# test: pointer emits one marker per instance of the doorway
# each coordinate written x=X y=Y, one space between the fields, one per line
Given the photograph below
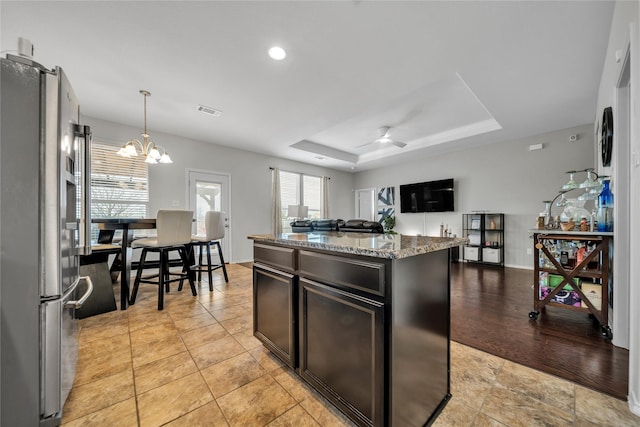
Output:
x=365 y=204
x=209 y=191
x=622 y=215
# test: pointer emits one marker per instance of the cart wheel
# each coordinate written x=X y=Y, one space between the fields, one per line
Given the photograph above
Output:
x=533 y=315
x=606 y=332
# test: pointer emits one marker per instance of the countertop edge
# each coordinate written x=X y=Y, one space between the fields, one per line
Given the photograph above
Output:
x=434 y=245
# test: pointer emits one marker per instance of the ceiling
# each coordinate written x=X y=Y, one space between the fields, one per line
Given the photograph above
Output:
x=442 y=75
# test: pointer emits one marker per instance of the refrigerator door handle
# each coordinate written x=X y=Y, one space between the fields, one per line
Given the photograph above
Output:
x=78 y=303
x=83 y=138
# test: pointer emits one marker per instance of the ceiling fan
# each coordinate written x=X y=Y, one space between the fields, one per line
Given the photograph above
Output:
x=384 y=139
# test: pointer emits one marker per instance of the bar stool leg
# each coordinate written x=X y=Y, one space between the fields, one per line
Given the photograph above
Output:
x=199 y=262
x=161 y=278
x=167 y=284
x=209 y=265
x=224 y=269
x=190 y=274
x=136 y=283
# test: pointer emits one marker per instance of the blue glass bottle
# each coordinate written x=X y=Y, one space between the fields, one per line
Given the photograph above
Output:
x=605 y=208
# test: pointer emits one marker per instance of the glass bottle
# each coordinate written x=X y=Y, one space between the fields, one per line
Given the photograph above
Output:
x=605 y=208
x=546 y=214
x=580 y=254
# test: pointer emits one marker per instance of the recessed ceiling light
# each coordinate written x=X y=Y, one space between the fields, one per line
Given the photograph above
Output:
x=277 y=53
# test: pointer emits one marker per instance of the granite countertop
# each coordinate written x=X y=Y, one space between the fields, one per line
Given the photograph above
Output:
x=392 y=246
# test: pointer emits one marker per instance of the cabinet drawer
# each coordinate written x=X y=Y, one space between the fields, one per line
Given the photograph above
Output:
x=345 y=272
x=276 y=256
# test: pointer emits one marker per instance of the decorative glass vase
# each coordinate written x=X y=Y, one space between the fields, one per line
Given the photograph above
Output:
x=574 y=210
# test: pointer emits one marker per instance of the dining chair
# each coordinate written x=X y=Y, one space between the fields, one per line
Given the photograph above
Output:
x=214 y=223
x=173 y=234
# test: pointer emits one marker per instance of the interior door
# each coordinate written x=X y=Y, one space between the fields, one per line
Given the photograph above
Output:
x=209 y=191
x=365 y=204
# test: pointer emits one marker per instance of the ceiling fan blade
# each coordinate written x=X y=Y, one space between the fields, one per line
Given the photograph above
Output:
x=399 y=144
x=384 y=140
x=384 y=132
x=364 y=145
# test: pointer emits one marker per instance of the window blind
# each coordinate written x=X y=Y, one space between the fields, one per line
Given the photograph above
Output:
x=119 y=185
x=299 y=189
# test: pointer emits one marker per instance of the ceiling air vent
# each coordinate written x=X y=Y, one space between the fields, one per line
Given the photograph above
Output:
x=209 y=110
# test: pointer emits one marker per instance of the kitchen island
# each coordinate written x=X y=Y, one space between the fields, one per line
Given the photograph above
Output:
x=363 y=318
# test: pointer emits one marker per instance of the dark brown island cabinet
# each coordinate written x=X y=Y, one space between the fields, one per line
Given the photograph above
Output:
x=364 y=319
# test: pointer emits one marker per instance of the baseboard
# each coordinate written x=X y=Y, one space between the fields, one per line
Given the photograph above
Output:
x=634 y=404
x=521 y=267
x=247 y=264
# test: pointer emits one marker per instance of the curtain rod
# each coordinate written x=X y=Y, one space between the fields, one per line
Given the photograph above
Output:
x=301 y=173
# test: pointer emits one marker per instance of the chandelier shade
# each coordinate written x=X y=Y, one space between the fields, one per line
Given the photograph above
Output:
x=152 y=152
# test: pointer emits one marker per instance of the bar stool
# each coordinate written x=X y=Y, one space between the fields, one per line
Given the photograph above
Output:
x=214 y=223
x=174 y=234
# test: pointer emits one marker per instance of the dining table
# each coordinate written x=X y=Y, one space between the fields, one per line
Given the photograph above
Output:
x=127 y=225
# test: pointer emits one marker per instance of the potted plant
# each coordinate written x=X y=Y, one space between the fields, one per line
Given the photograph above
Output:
x=388 y=222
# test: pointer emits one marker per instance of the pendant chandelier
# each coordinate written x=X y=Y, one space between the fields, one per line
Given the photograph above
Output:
x=149 y=149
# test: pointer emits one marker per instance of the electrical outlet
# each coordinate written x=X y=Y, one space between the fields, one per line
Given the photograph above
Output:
x=529 y=251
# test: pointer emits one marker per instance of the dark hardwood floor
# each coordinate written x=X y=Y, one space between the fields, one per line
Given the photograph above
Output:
x=490 y=311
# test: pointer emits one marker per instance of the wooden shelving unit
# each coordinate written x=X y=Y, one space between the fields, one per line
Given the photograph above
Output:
x=592 y=270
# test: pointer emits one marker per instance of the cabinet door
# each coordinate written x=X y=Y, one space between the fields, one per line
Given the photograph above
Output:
x=342 y=349
x=274 y=319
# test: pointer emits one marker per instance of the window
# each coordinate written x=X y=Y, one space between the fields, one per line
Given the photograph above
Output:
x=119 y=185
x=299 y=189
x=208 y=198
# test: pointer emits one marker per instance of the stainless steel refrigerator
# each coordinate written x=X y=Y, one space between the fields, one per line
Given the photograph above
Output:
x=44 y=205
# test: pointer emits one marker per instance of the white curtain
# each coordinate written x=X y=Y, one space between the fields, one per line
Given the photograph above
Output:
x=324 y=207
x=276 y=209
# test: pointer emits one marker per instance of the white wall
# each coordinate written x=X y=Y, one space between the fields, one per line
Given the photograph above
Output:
x=502 y=177
x=624 y=29
x=250 y=180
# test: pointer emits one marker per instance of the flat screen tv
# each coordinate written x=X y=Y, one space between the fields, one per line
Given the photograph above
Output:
x=432 y=196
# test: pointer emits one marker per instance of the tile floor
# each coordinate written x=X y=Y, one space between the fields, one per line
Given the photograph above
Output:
x=197 y=364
